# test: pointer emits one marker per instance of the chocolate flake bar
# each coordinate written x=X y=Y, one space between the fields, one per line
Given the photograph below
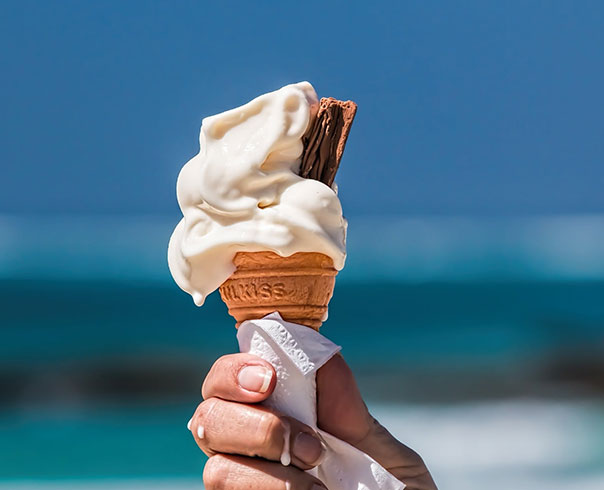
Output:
x=325 y=139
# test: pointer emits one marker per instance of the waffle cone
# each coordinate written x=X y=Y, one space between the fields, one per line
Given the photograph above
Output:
x=299 y=287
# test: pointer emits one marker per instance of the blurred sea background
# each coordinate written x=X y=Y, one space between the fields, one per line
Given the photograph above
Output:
x=471 y=307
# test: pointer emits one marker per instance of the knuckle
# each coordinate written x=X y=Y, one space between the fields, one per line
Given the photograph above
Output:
x=195 y=415
x=415 y=467
x=205 y=409
x=215 y=473
x=416 y=460
x=205 y=387
x=200 y=424
x=226 y=364
x=270 y=430
x=209 y=379
x=223 y=361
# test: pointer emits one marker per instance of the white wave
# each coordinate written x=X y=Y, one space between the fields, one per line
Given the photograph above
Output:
x=391 y=248
x=521 y=444
x=556 y=247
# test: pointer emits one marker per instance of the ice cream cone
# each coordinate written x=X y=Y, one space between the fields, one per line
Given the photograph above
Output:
x=299 y=287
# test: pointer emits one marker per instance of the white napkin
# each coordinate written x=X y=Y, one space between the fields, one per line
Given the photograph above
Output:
x=297 y=352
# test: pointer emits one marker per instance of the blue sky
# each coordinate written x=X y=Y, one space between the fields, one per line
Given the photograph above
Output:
x=479 y=108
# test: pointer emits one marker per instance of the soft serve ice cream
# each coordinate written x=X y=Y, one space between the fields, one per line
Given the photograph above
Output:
x=242 y=193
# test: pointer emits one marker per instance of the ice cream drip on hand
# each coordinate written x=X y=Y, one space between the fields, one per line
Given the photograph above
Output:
x=242 y=192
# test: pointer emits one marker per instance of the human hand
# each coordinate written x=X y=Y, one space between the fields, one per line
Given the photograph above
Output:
x=245 y=441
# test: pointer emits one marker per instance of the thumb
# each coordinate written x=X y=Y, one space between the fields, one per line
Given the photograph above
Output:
x=341 y=410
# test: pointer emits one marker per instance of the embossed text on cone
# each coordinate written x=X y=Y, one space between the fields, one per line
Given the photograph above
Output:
x=299 y=287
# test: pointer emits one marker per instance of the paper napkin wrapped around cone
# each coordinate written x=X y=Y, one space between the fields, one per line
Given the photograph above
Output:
x=297 y=352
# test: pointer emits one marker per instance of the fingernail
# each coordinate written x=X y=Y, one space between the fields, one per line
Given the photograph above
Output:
x=308 y=449
x=255 y=378
x=200 y=431
x=189 y=424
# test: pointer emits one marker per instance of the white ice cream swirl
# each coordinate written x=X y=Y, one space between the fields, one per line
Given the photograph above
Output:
x=242 y=193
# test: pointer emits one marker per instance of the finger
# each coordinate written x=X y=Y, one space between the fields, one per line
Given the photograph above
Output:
x=221 y=426
x=240 y=378
x=240 y=473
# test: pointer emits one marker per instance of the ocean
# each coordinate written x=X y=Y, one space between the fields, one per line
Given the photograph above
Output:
x=476 y=341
